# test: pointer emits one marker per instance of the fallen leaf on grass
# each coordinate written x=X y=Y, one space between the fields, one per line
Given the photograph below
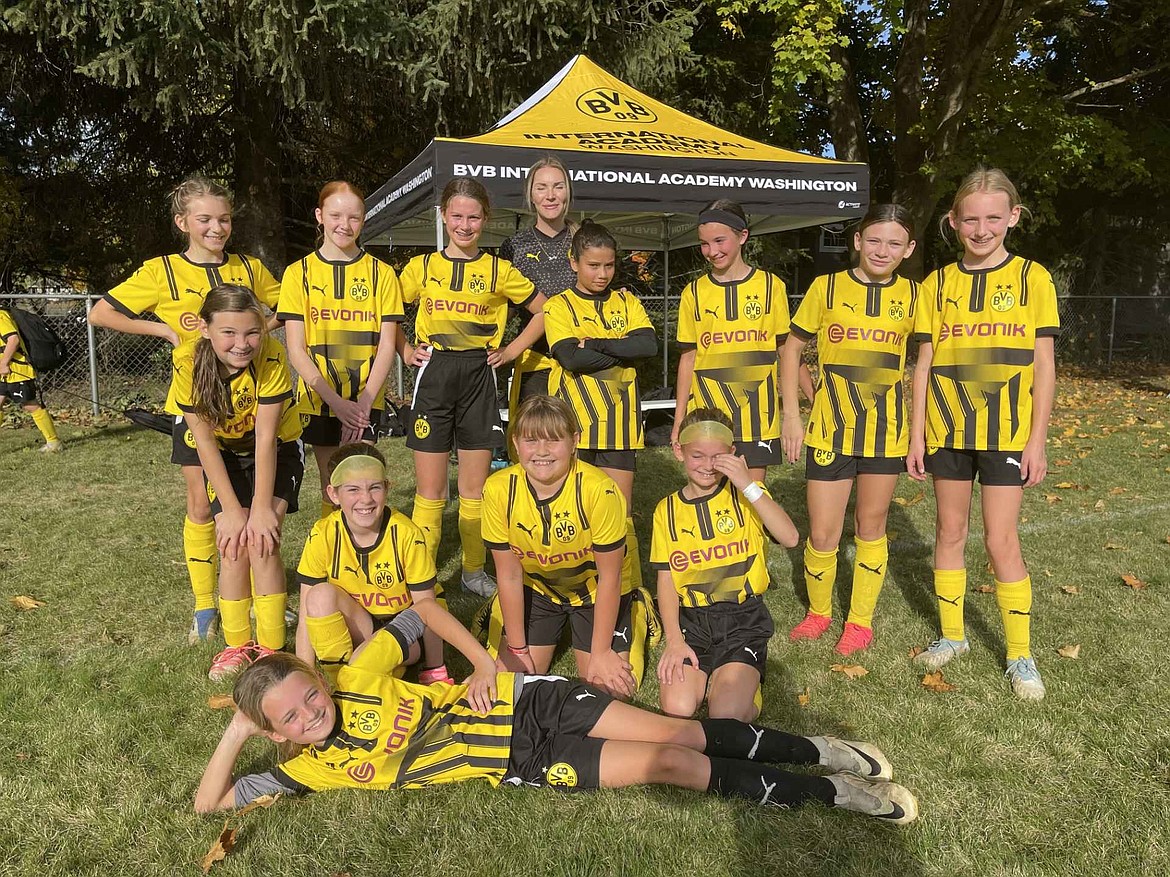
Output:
x=1132 y=581
x=1099 y=505
x=1070 y=589
x=219 y=850
x=934 y=682
x=850 y=670
x=221 y=702
x=1113 y=546
x=914 y=500
x=985 y=589
x=1073 y=651
x=891 y=535
x=1062 y=462
x=263 y=802
x=23 y=601
x=1051 y=498
x=1117 y=491
x=803 y=698
x=1168 y=539
x=1069 y=485
x=915 y=651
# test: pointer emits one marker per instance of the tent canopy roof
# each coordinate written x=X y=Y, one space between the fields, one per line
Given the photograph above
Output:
x=643 y=168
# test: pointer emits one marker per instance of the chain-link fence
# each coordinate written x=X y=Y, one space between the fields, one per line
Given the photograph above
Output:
x=120 y=370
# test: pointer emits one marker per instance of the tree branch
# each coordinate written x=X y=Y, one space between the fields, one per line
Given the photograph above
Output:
x=1129 y=77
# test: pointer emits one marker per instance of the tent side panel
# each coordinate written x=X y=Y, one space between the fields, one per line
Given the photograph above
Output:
x=408 y=192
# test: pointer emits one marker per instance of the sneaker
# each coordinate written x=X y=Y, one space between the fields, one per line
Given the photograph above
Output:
x=232 y=660
x=52 y=447
x=1025 y=679
x=853 y=639
x=478 y=582
x=940 y=652
x=812 y=627
x=888 y=801
x=863 y=759
x=203 y=626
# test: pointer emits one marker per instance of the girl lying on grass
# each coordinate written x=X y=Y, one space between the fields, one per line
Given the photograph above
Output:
x=379 y=732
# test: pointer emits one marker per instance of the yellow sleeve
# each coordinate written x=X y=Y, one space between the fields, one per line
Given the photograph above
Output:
x=781 y=323
x=182 y=381
x=291 y=305
x=273 y=382
x=389 y=293
x=1042 y=300
x=558 y=324
x=685 y=333
x=636 y=314
x=141 y=292
x=316 y=555
x=267 y=287
x=7 y=327
x=607 y=514
x=514 y=285
x=926 y=312
x=495 y=501
x=660 y=544
x=418 y=565
x=810 y=314
x=412 y=280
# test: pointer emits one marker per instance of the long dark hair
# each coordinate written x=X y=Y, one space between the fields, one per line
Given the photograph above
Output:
x=213 y=399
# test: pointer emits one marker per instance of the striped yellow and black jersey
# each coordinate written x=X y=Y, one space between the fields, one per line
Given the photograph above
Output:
x=343 y=306
x=983 y=327
x=173 y=288
x=265 y=381
x=380 y=577
x=392 y=734
x=606 y=400
x=556 y=539
x=463 y=303
x=861 y=331
x=735 y=329
x=713 y=546
x=544 y=261
x=20 y=369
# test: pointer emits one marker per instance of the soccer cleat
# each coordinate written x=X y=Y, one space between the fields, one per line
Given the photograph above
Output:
x=203 y=626
x=940 y=652
x=478 y=582
x=888 y=801
x=813 y=627
x=1025 y=679
x=853 y=639
x=863 y=759
x=52 y=447
x=232 y=660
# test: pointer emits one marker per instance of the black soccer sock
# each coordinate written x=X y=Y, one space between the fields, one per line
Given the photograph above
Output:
x=729 y=738
x=765 y=784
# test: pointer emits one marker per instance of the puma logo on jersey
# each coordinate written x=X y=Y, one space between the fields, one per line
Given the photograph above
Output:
x=852 y=308
x=584 y=695
x=435 y=280
x=350 y=569
x=531 y=531
x=953 y=301
x=689 y=531
x=755 y=657
x=535 y=257
x=1014 y=462
x=815 y=575
x=714 y=313
x=589 y=319
x=208 y=561
x=190 y=291
x=755 y=746
x=272 y=359
x=609 y=491
x=420 y=542
x=320 y=289
x=876 y=572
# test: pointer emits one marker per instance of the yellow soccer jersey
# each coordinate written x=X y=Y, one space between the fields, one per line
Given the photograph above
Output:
x=392 y=734
x=861 y=331
x=463 y=303
x=343 y=306
x=556 y=539
x=173 y=288
x=983 y=327
x=20 y=368
x=265 y=381
x=714 y=547
x=607 y=401
x=735 y=330
x=380 y=577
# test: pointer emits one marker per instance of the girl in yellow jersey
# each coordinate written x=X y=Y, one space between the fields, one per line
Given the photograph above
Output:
x=541 y=253
x=234 y=389
x=462 y=294
x=513 y=729
x=861 y=320
x=341 y=308
x=983 y=391
x=172 y=288
x=18 y=381
x=596 y=335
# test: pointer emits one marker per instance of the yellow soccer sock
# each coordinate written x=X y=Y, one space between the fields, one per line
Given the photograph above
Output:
x=869 y=572
x=202 y=561
x=632 y=562
x=428 y=517
x=1015 y=606
x=820 y=572
x=44 y=422
x=326 y=509
x=471 y=533
x=331 y=641
x=270 y=619
x=235 y=621
x=639 y=633
x=949 y=586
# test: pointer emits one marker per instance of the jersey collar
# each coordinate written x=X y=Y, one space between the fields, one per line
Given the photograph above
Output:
x=707 y=497
x=227 y=257
x=381 y=532
x=568 y=477
x=722 y=285
x=853 y=276
x=343 y=262
x=965 y=270
x=478 y=256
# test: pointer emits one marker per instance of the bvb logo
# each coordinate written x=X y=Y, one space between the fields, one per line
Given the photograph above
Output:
x=210 y=492
x=422 y=428
x=477 y=284
x=306 y=419
x=368 y=722
x=564 y=530
x=245 y=400
x=753 y=310
x=383 y=580
x=617 y=321
x=611 y=104
x=562 y=774
x=360 y=290
x=725 y=525
x=823 y=457
x=188 y=439
x=897 y=312
x=1003 y=300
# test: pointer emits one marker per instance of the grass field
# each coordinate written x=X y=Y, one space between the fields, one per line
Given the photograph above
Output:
x=105 y=725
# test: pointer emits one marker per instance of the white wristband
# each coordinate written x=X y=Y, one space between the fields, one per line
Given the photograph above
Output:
x=753 y=491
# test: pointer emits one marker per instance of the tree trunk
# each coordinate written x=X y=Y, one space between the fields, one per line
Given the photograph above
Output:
x=259 y=205
x=846 y=126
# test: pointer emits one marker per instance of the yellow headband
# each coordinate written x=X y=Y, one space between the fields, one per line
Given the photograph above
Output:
x=706 y=429
x=357 y=466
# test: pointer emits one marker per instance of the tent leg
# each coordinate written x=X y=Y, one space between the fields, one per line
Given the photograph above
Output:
x=665 y=302
x=438 y=228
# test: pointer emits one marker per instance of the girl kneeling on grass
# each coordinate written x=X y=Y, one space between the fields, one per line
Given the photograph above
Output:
x=378 y=732
x=361 y=566
x=233 y=386
x=708 y=548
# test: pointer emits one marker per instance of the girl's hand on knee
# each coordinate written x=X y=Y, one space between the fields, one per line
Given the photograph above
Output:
x=481 y=690
x=231 y=532
x=671 y=666
x=263 y=531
